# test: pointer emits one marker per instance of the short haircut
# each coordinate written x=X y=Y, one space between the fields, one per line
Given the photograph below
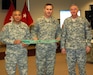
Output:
x=74 y=5
x=49 y=4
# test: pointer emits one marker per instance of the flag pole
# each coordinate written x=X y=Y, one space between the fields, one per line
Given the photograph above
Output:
x=28 y=3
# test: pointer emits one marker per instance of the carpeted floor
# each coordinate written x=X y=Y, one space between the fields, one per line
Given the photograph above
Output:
x=60 y=66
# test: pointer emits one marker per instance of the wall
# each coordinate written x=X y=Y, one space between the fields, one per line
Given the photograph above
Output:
x=36 y=7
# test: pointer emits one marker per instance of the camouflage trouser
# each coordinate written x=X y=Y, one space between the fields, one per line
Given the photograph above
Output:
x=12 y=60
x=45 y=59
x=79 y=57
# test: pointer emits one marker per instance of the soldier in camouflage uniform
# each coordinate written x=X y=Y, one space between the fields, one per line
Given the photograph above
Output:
x=16 y=51
x=46 y=28
x=75 y=42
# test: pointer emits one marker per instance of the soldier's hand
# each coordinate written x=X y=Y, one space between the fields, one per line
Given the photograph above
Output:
x=58 y=39
x=17 y=41
x=63 y=51
x=24 y=45
x=88 y=49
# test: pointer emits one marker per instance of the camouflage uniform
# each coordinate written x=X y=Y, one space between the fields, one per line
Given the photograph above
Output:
x=46 y=29
x=76 y=35
x=15 y=54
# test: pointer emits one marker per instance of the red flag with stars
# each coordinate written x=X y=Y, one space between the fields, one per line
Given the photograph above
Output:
x=8 y=17
x=26 y=17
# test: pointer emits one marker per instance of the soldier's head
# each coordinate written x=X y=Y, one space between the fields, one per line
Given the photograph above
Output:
x=48 y=10
x=74 y=10
x=17 y=16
